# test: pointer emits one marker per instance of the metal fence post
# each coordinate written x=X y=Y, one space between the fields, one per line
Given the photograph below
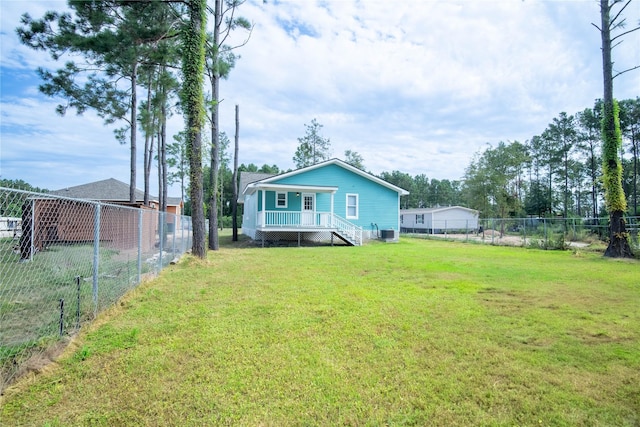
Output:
x=175 y=224
x=493 y=229
x=96 y=258
x=161 y=245
x=182 y=242
x=140 y=213
x=546 y=237
x=32 y=248
x=78 y=306
x=61 y=317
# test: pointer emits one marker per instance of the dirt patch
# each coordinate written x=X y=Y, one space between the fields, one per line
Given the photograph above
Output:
x=493 y=237
x=38 y=361
x=488 y=236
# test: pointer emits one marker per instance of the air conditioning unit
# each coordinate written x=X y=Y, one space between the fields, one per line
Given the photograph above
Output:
x=388 y=235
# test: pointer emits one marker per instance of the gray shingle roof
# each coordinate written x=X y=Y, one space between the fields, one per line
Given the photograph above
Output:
x=247 y=178
x=108 y=190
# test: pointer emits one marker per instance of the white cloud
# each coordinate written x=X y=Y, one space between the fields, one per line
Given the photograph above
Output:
x=416 y=86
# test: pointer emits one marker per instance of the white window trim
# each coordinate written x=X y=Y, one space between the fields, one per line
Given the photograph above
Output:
x=357 y=206
x=420 y=219
x=286 y=200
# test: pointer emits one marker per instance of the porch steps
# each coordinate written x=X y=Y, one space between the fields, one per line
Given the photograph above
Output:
x=344 y=238
x=346 y=231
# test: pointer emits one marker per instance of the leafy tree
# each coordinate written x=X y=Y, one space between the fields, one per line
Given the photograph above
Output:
x=476 y=187
x=563 y=134
x=588 y=144
x=272 y=169
x=177 y=161
x=354 y=159
x=19 y=184
x=420 y=190
x=535 y=201
x=492 y=180
x=312 y=148
x=402 y=180
x=443 y=192
x=11 y=205
x=615 y=200
x=630 y=126
x=551 y=160
x=106 y=41
x=220 y=179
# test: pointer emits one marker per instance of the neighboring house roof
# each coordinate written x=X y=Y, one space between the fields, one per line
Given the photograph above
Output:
x=270 y=178
x=247 y=178
x=110 y=190
x=436 y=209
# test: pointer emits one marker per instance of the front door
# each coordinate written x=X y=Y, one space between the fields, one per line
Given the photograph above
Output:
x=308 y=208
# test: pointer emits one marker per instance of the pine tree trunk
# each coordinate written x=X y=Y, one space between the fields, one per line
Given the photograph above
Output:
x=215 y=137
x=234 y=201
x=193 y=100
x=147 y=148
x=611 y=141
x=134 y=131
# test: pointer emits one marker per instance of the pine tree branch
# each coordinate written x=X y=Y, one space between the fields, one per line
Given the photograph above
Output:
x=626 y=71
x=612 y=22
x=625 y=33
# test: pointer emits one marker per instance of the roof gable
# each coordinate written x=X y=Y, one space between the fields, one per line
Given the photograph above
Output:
x=341 y=164
x=247 y=178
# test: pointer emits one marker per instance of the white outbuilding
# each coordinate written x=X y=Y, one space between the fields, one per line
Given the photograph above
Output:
x=449 y=219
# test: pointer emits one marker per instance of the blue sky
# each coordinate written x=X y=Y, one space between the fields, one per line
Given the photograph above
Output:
x=417 y=86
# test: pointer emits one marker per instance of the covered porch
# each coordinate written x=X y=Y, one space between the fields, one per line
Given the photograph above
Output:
x=303 y=210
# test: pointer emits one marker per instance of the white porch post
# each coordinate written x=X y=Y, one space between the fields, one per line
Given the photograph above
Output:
x=331 y=220
x=264 y=207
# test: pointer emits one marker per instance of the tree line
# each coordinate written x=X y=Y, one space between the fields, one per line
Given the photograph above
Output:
x=117 y=50
x=555 y=173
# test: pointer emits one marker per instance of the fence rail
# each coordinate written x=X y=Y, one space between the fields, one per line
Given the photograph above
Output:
x=538 y=232
x=62 y=261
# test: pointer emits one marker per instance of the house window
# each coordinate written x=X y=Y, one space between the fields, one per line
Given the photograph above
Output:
x=281 y=199
x=420 y=219
x=352 y=206
x=401 y=219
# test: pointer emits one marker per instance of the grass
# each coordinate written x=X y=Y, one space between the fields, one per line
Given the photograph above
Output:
x=422 y=332
x=30 y=294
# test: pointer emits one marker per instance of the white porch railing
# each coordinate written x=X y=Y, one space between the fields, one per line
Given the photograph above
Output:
x=310 y=221
x=278 y=219
x=348 y=230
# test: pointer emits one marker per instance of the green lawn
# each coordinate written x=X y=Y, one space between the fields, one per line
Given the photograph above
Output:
x=422 y=332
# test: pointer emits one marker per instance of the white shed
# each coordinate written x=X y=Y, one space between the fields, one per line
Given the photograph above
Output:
x=447 y=219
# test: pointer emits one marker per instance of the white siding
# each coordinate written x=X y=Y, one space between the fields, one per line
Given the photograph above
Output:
x=439 y=220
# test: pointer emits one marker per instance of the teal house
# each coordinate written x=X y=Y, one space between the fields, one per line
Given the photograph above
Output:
x=328 y=201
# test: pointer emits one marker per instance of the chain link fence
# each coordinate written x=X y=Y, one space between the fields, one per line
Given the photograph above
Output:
x=62 y=261
x=544 y=233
